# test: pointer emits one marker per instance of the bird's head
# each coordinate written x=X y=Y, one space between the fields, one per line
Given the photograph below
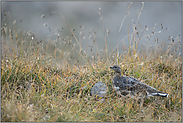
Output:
x=116 y=68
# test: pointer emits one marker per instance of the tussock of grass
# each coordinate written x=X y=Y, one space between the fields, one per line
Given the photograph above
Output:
x=38 y=84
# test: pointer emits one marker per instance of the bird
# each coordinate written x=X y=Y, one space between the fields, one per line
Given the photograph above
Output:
x=131 y=87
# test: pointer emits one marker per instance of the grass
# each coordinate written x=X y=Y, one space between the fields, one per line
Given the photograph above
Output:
x=40 y=82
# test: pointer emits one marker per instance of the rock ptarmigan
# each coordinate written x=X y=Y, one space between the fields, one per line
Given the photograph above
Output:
x=131 y=87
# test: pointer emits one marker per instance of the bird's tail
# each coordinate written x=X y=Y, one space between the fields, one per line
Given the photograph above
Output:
x=162 y=94
x=157 y=93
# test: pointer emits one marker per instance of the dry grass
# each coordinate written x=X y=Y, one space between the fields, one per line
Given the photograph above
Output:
x=42 y=84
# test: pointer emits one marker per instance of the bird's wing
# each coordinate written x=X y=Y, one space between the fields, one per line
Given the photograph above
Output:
x=129 y=85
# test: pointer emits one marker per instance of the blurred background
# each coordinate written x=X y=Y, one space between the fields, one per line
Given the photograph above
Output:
x=161 y=19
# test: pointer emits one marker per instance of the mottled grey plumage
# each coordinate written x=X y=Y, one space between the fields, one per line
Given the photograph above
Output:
x=99 y=89
x=128 y=86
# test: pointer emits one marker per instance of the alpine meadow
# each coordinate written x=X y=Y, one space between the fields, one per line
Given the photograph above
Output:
x=49 y=79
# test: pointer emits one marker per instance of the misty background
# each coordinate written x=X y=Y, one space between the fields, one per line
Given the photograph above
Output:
x=161 y=19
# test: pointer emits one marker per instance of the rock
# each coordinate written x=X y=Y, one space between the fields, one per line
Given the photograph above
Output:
x=99 y=89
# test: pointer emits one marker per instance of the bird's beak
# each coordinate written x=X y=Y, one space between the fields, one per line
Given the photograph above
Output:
x=111 y=67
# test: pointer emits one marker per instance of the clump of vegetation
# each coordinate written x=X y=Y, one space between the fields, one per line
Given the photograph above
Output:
x=41 y=81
